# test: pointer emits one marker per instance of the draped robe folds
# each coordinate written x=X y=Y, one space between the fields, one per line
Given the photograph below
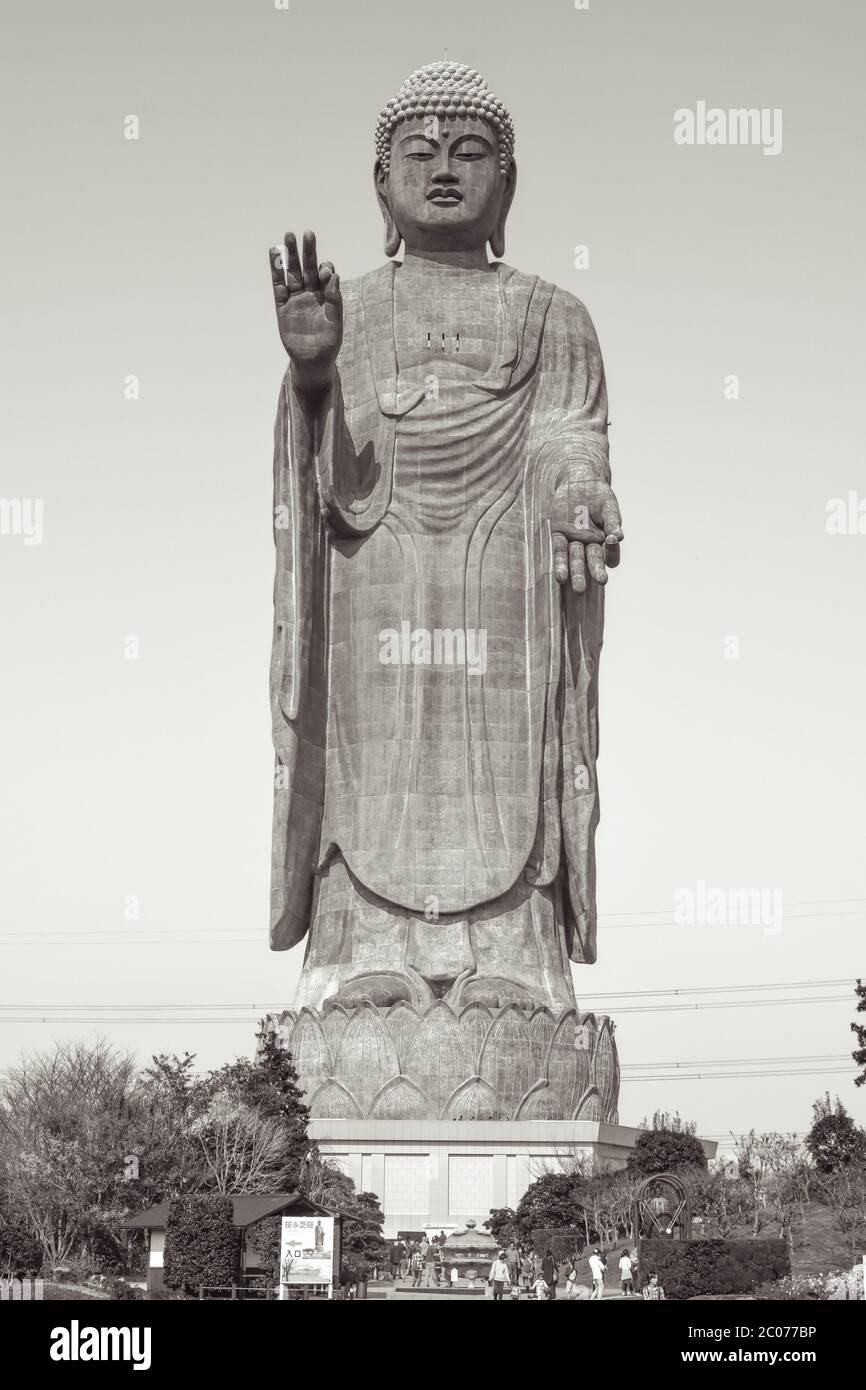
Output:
x=433 y=689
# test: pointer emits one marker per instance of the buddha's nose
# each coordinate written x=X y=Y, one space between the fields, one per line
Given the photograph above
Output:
x=444 y=174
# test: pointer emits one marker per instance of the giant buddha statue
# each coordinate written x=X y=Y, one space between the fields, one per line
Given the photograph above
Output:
x=444 y=526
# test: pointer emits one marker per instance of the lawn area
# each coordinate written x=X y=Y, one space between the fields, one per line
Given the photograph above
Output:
x=58 y=1293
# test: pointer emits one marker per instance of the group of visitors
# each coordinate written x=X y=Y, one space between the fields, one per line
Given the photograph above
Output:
x=516 y=1271
x=421 y=1259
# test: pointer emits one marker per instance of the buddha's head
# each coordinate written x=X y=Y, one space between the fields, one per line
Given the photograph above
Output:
x=445 y=171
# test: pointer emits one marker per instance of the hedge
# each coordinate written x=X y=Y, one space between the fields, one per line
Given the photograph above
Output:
x=201 y=1244
x=689 y=1268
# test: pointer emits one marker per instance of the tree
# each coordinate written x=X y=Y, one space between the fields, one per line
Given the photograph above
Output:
x=271 y=1084
x=721 y=1203
x=663 y=1119
x=774 y=1168
x=608 y=1207
x=665 y=1151
x=171 y=1101
x=835 y=1140
x=843 y=1189
x=68 y=1118
x=504 y=1226
x=242 y=1150
x=362 y=1227
x=859 y=1029
x=553 y=1200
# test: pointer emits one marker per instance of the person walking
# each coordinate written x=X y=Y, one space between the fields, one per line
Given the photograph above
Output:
x=513 y=1257
x=626 y=1274
x=527 y=1272
x=418 y=1263
x=500 y=1276
x=549 y=1273
x=597 y=1267
x=430 y=1261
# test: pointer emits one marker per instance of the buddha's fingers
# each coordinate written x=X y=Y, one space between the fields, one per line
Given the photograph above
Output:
x=611 y=553
x=560 y=557
x=577 y=565
x=611 y=518
x=278 y=276
x=595 y=561
x=294 y=278
x=330 y=282
x=311 y=266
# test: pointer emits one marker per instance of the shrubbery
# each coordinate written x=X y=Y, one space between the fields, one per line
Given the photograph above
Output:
x=689 y=1268
x=201 y=1244
x=20 y=1251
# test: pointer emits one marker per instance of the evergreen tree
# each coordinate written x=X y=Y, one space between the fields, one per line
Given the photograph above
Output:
x=665 y=1151
x=835 y=1141
x=859 y=1054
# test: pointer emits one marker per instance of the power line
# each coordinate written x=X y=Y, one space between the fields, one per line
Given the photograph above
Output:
x=715 y=989
x=604 y=994
x=239 y=935
x=739 y=1061
x=189 y=1012
x=742 y=1075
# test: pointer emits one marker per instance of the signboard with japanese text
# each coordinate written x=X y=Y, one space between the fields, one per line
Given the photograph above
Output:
x=307 y=1250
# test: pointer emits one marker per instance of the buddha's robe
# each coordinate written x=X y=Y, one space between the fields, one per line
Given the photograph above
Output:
x=434 y=690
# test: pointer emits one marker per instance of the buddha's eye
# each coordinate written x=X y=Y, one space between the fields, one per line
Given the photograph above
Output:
x=471 y=150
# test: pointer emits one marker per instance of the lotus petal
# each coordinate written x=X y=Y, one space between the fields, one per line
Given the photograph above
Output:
x=437 y=1060
x=586 y=1033
x=473 y=1099
x=541 y=1027
x=474 y=1022
x=590 y=1106
x=367 y=1056
x=540 y=1103
x=333 y=1101
x=605 y=1068
x=506 y=1061
x=334 y=1025
x=310 y=1051
x=402 y=1024
x=401 y=1099
x=565 y=1066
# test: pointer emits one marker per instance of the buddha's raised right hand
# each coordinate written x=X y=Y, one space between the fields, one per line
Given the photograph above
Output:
x=309 y=312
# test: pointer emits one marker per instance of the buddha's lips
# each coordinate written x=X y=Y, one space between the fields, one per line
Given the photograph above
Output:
x=445 y=195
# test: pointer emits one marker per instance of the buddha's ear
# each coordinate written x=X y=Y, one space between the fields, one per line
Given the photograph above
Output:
x=497 y=236
x=392 y=231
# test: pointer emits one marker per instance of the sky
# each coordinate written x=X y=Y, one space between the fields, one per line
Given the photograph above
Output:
x=139 y=379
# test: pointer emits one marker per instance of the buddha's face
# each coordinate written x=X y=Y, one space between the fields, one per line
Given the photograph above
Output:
x=445 y=190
